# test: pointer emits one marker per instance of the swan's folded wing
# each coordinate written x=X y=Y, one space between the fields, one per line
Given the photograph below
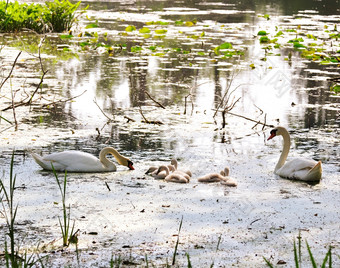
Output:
x=72 y=160
x=297 y=168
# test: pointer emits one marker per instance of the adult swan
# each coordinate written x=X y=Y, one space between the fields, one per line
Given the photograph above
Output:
x=76 y=161
x=298 y=168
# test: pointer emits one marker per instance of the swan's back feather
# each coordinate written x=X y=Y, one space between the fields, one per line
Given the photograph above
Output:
x=73 y=161
x=301 y=169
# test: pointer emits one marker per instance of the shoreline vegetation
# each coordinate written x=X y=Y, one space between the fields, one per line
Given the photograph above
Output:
x=56 y=16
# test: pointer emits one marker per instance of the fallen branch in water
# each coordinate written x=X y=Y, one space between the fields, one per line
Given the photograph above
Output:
x=155 y=122
x=151 y=98
x=10 y=73
x=252 y=120
x=95 y=102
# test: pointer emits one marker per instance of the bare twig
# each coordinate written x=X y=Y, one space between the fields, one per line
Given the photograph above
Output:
x=14 y=115
x=145 y=120
x=10 y=73
x=151 y=98
x=129 y=119
x=141 y=112
x=95 y=102
x=252 y=120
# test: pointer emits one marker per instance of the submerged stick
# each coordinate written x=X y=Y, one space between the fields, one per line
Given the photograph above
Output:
x=10 y=73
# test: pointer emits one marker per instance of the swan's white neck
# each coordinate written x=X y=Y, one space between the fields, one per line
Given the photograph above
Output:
x=286 y=146
x=106 y=162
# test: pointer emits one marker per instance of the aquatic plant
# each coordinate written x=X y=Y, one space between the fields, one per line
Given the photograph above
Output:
x=12 y=255
x=57 y=16
x=177 y=242
x=298 y=256
x=68 y=235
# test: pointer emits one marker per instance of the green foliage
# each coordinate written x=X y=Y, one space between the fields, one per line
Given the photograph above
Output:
x=161 y=31
x=130 y=28
x=57 y=16
x=264 y=39
x=144 y=30
x=136 y=49
x=262 y=33
x=68 y=235
x=298 y=256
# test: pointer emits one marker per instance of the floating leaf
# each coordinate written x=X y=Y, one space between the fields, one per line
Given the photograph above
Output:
x=264 y=39
x=179 y=22
x=65 y=36
x=130 y=28
x=161 y=31
x=92 y=25
x=189 y=23
x=262 y=33
x=136 y=49
x=225 y=46
x=144 y=30
x=279 y=33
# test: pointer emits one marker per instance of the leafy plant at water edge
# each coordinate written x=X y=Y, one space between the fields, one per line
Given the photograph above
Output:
x=57 y=16
x=67 y=235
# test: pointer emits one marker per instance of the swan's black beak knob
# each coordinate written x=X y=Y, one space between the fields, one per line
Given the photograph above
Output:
x=130 y=165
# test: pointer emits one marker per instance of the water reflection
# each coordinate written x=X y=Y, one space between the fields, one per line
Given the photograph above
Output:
x=285 y=91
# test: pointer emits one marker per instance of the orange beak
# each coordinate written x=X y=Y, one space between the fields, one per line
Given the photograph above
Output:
x=271 y=136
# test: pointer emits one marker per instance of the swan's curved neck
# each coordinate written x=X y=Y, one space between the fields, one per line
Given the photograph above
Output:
x=285 y=150
x=106 y=162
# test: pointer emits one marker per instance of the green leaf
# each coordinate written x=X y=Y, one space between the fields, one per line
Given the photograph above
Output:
x=130 y=28
x=144 y=30
x=264 y=39
x=66 y=36
x=262 y=33
x=161 y=31
x=91 y=25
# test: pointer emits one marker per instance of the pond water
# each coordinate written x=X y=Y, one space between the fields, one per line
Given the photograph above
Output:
x=90 y=92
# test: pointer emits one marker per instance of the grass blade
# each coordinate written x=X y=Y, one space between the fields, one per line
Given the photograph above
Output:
x=176 y=246
x=268 y=263
x=311 y=256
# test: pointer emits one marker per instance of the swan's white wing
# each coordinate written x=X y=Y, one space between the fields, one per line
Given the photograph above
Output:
x=297 y=168
x=74 y=161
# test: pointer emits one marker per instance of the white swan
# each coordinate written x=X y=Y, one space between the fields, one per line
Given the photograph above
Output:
x=299 y=168
x=76 y=161
x=219 y=177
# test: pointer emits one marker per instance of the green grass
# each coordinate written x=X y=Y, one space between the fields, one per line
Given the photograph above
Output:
x=327 y=260
x=55 y=16
x=12 y=255
x=68 y=235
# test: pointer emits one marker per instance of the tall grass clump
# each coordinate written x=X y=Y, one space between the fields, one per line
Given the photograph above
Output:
x=12 y=255
x=327 y=260
x=68 y=235
x=56 y=16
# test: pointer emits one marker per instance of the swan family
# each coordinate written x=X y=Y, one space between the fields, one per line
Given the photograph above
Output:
x=77 y=161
